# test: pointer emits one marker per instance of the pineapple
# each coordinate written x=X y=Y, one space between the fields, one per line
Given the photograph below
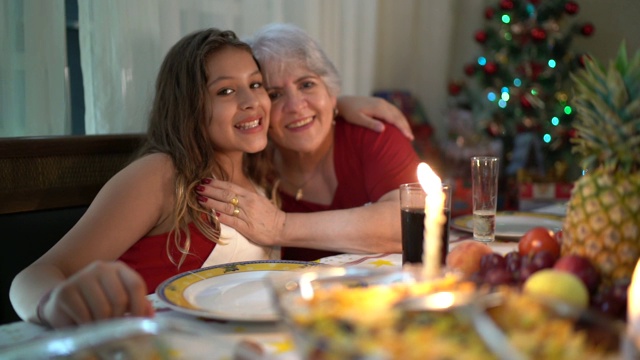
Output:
x=603 y=214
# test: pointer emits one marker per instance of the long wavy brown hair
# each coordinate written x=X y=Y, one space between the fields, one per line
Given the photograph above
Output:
x=178 y=127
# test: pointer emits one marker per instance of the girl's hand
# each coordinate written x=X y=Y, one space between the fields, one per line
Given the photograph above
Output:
x=102 y=290
x=257 y=218
x=367 y=111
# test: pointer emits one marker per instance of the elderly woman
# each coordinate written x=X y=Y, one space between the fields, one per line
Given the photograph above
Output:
x=338 y=182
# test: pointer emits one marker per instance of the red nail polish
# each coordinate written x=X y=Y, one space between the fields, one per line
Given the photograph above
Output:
x=199 y=188
x=217 y=214
x=201 y=198
x=206 y=181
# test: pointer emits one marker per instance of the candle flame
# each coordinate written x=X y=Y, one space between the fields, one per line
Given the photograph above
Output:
x=633 y=304
x=433 y=220
x=428 y=179
x=441 y=300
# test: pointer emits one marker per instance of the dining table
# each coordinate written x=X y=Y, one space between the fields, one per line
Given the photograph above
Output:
x=232 y=340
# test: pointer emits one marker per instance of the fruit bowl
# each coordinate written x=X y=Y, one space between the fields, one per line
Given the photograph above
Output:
x=342 y=313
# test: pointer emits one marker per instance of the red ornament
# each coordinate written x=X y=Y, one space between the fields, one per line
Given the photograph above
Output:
x=538 y=34
x=587 y=29
x=488 y=13
x=481 y=36
x=525 y=102
x=506 y=4
x=536 y=69
x=470 y=69
x=491 y=68
x=531 y=70
x=454 y=88
x=571 y=7
x=573 y=133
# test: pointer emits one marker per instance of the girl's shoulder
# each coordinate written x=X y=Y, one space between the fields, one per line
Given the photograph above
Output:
x=157 y=159
x=155 y=168
x=148 y=180
x=154 y=163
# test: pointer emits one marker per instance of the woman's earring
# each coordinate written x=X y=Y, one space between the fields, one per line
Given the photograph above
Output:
x=335 y=112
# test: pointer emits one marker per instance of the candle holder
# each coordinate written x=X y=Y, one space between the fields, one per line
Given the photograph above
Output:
x=412 y=220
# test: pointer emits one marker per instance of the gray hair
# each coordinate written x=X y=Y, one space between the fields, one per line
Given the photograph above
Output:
x=284 y=45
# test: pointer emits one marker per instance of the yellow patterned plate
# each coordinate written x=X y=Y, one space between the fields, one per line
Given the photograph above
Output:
x=233 y=291
x=511 y=225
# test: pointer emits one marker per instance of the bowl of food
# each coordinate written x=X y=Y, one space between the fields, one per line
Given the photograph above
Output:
x=347 y=313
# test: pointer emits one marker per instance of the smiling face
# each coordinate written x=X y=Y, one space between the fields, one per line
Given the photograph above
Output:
x=238 y=103
x=301 y=108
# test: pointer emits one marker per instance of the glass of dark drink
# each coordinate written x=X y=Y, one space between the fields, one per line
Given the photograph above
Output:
x=412 y=204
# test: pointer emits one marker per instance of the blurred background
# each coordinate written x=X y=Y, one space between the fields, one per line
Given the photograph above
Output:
x=474 y=76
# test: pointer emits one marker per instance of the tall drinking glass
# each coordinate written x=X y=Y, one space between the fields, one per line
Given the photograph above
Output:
x=484 y=187
x=412 y=205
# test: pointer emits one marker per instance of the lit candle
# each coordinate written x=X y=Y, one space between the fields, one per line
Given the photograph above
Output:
x=433 y=220
x=633 y=307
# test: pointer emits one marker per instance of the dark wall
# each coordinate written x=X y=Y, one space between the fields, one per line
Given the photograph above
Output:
x=76 y=89
x=25 y=237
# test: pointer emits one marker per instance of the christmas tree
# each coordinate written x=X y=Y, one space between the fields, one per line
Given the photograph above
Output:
x=519 y=88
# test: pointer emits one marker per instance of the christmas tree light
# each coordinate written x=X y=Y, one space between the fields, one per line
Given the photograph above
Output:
x=520 y=83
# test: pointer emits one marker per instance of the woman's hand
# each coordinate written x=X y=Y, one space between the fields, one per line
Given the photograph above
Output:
x=102 y=290
x=258 y=219
x=366 y=110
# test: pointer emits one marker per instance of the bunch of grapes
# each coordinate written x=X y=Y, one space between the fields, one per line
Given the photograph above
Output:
x=539 y=249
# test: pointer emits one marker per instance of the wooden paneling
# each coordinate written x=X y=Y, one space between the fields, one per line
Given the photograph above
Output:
x=38 y=173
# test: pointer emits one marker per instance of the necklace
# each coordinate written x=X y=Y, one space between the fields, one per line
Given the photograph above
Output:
x=319 y=168
x=300 y=191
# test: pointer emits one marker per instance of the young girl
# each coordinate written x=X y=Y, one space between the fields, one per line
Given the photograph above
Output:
x=209 y=114
x=339 y=182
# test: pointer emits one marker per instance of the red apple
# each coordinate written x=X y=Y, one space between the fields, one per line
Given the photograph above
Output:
x=582 y=268
x=539 y=239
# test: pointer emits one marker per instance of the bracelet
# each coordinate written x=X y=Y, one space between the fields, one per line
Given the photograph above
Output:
x=40 y=308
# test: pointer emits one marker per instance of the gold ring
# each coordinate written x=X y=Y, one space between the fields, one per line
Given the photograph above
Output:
x=236 y=211
x=234 y=201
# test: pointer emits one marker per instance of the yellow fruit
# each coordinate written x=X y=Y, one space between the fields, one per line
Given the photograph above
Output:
x=557 y=285
x=603 y=215
x=603 y=223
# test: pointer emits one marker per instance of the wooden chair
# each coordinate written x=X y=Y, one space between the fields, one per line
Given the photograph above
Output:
x=46 y=184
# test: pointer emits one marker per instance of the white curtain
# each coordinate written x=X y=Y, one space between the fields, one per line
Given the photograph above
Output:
x=33 y=88
x=123 y=42
x=420 y=44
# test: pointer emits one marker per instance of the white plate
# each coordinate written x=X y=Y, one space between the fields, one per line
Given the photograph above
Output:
x=363 y=260
x=511 y=225
x=234 y=291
